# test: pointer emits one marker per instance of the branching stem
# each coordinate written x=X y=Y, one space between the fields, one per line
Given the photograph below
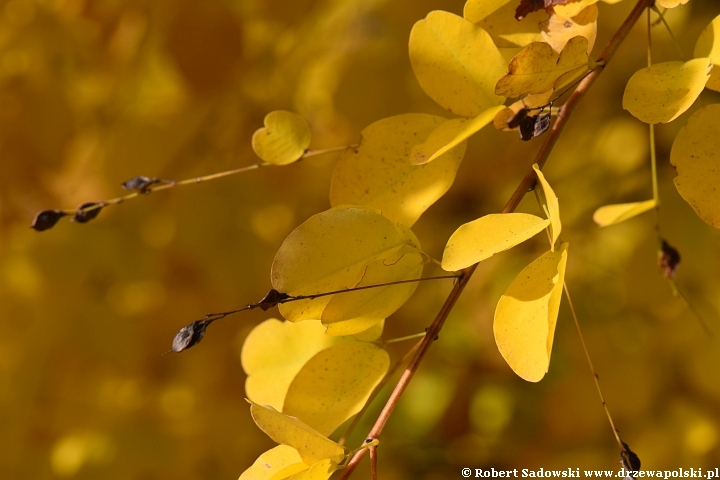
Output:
x=526 y=184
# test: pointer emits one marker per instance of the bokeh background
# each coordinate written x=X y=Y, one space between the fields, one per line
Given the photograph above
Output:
x=94 y=92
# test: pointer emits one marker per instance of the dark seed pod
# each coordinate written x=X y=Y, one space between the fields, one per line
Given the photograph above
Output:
x=669 y=260
x=82 y=216
x=46 y=219
x=629 y=460
x=533 y=126
x=189 y=336
x=140 y=183
x=517 y=119
x=271 y=299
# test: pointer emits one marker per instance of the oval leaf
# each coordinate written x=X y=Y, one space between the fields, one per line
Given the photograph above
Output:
x=379 y=173
x=274 y=352
x=444 y=52
x=335 y=384
x=284 y=138
x=277 y=463
x=670 y=3
x=662 y=92
x=537 y=68
x=695 y=155
x=488 y=235
x=322 y=470
x=451 y=134
x=526 y=315
x=334 y=250
x=552 y=205
x=708 y=45
x=311 y=445
x=612 y=214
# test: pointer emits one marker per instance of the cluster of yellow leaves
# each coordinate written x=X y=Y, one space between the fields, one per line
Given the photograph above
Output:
x=527 y=312
x=660 y=94
x=302 y=384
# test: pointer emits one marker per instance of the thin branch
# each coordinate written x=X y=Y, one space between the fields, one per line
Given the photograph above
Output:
x=526 y=184
x=373 y=463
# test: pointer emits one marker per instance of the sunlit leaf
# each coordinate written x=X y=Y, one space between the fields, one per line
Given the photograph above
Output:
x=355 y=326
x=286 y=430
x=488 y=235
x=526 y=315
x=551 y=201
x=283 y=139
x=334 y=250
x=335 y=384
x=708 y=45
x=612 y=214
x=499 y=21
x=374 y=304
x=379 y=173
x=274 y=352
x=537 y=68
x=670 y=3
x=444 y=52
x=451 y=134
x=321 y=470
x=562 y=26
x=275 y=464
x=695 y=155
x=662 y=92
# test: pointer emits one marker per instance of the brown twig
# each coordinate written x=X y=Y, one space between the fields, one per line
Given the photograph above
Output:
x=525 y=185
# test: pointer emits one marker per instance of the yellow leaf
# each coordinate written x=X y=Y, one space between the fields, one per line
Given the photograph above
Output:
x=537 y=68
x=572 y=9
x=284 y=138
x=560 y=28
x=322 y=470
x=526 y=315
x=445 y=56
x=275 y=464
x=670 y=3
x=355 y=327
x=662 y=92
x=708 y=45
x=451 y=134
x=312 y=446
x=488 y=235
x=334 y=250
x=499 y=21
x=370 y=334
x=335 y=384
x=274 y=352
x=695 y=155
x=552 y=204
x=375 y=304
x=612 y=214
x=379 y=173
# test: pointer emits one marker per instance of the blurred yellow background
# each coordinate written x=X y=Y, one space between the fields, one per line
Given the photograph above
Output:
x=93 y=93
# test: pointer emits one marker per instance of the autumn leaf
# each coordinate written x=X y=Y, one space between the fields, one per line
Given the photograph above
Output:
x=335 y=250
x=561 y=27
x=662 y=92
x=488 y=235
x=451 y=134
x=537 y=68
x=444 y=56
x=379 y=173
x=695 y=155
x=612 y=214
x=274 y=352
x=708 y=45
x=497 y=18
x=552 y=205
x=277 y=463
x=283 y=139
x=526 y=315
x=335 y=384
x=670 y=3
x=311 y=445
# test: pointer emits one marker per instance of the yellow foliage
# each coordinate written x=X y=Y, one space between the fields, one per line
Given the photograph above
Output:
x=526 y=315
x=566 y=24
x=276 y=464
x=552 y=205
x=708 y=45
x=499 y=21
x=612 y=214
x=283 y=139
